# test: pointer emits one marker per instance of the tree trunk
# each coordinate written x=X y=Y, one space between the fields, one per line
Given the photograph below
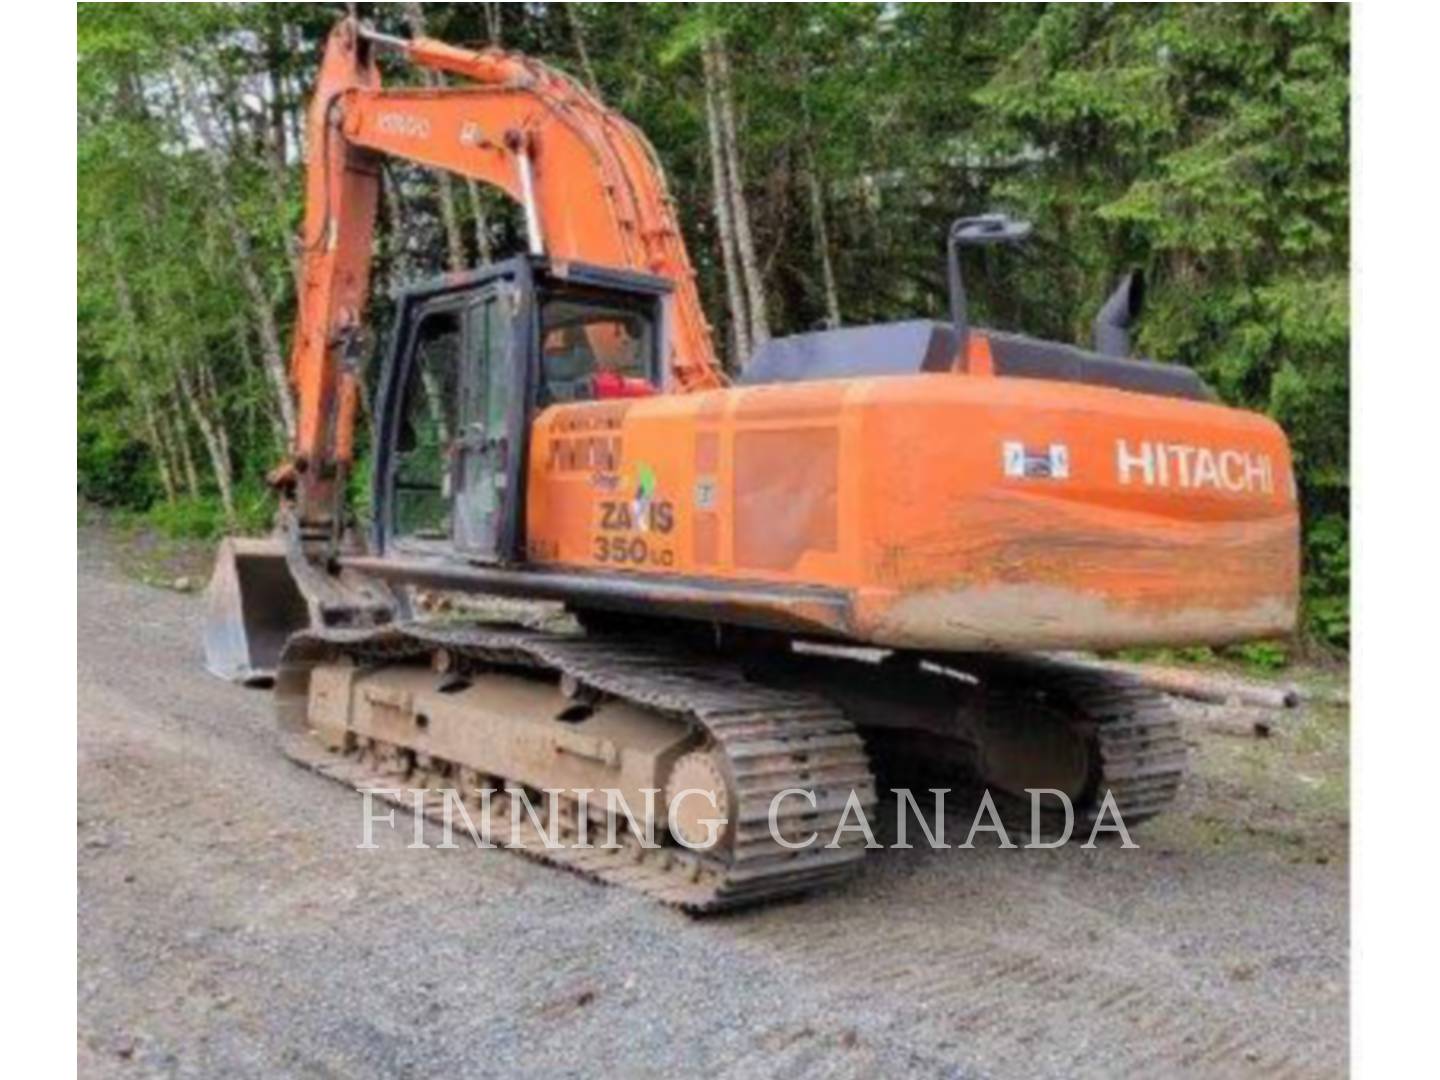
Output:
x=165 y=430
x=132 y=364
x=822 y=239
x=482 y=223
x=187 y=458
x=219 y=464
x=275 y=52
x=720 y=183
x=578 y=36
x=225 y=205
x=277 y=165
x=277 y=430
x=210 y=397
x=454 y=240
x=744 y=241
x=157 y=447
x=395 y=219
x=493 y=23
x=296 y=94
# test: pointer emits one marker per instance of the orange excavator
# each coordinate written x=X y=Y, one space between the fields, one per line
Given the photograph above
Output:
x=857 y=557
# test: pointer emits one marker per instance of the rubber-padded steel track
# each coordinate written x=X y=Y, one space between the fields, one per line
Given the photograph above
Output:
x=770 y=739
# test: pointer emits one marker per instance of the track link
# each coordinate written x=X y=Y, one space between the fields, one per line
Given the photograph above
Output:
x=771 y=740
x=1139 y=755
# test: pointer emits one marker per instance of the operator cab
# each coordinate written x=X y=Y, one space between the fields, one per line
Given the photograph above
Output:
x=473 y=359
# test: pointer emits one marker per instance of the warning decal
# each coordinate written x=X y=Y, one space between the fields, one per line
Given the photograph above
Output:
x=1037 y=462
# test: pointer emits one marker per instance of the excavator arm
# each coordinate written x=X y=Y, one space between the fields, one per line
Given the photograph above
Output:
x=590 y=183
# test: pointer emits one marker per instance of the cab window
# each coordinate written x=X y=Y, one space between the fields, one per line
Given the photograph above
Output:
x=428 y=430
x=581 y=336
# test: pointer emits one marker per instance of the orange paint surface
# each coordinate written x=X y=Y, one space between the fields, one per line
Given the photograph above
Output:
x=896 y=491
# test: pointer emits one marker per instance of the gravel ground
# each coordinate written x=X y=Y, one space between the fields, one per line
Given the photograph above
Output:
x=229 y=925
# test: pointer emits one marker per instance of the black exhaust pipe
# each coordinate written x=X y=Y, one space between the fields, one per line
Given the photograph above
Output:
x=1112 y=322
x=981 y=230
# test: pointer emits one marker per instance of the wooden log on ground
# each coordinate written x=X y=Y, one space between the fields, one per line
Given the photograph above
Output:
x=1202 y=686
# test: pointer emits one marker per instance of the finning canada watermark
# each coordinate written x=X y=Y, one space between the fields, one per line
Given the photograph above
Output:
x=609 y=818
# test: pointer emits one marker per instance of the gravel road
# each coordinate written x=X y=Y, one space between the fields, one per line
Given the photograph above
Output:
x=228 y=925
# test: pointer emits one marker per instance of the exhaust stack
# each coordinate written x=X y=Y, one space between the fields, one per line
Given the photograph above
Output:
x=1112 y=322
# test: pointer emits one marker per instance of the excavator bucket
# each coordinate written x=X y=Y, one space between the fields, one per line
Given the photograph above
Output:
x=253 y=606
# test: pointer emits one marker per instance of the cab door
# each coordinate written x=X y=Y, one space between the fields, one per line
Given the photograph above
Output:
x=489 y=449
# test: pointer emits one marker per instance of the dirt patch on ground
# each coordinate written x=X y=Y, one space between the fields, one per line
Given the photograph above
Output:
x=1288 y=793
x=144 y=554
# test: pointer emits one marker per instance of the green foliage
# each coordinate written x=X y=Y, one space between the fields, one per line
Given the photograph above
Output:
x=190 y=518
x=115 y=466
x=1327 y=579
x=203 y=518
x=1208 y=144
x=360 y=490
x=1261 y=655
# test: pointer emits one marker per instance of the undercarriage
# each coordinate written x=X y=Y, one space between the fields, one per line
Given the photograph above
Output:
x=708 y=778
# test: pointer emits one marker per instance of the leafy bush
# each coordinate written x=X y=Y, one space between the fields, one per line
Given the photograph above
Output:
x=203 y=518
x=1326 y=594
x=1263 y=655
x=188 y=518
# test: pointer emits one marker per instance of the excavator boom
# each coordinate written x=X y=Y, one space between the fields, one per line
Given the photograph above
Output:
x=589 y=181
